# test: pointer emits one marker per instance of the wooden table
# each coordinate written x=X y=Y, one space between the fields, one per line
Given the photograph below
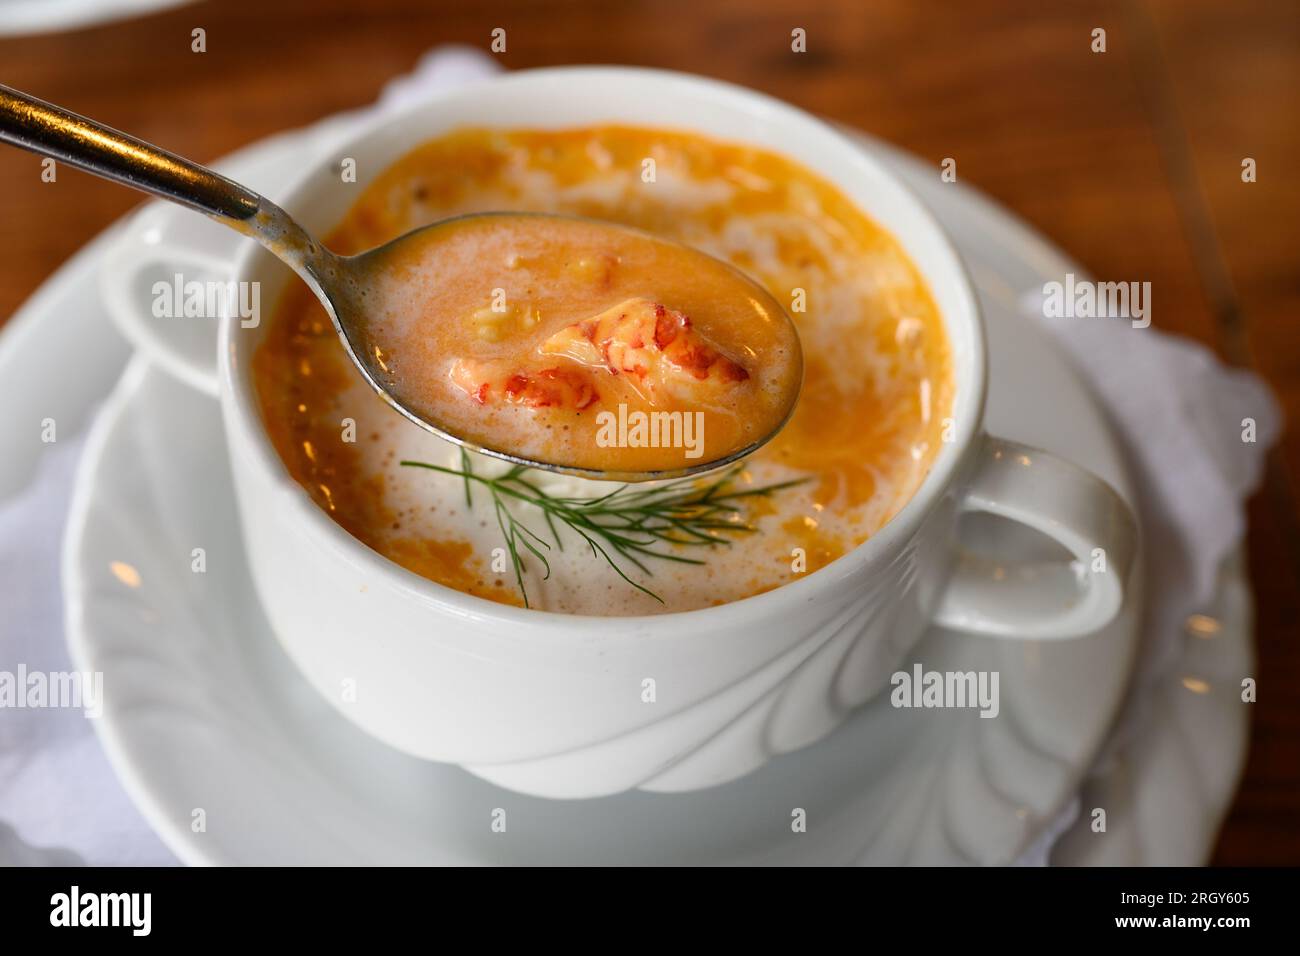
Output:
x=1130 y=159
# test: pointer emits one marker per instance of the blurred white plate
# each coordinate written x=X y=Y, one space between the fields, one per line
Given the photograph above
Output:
x=20 y=17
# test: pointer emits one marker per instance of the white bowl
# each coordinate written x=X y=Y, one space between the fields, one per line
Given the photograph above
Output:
x=552 y=704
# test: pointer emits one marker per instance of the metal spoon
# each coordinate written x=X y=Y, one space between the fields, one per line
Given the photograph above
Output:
x=338 y=281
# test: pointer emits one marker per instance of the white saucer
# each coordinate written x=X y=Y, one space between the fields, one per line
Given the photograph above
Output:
x=203 y=711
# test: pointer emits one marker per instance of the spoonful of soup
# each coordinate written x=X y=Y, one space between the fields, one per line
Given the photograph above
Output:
x=556 y=342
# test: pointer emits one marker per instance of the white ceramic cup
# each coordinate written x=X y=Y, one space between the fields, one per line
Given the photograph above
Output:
x=551 y=704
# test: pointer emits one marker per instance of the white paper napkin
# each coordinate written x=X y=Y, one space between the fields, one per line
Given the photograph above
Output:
x=1178 y=411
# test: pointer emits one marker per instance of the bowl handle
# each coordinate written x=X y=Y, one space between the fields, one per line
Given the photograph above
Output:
x=1046 y=599
x=151 y=280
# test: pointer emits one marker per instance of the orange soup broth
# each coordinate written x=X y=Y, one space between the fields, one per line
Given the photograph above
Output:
x=877 y=387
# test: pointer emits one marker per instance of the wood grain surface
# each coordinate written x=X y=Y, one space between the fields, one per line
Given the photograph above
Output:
x=1130 y=160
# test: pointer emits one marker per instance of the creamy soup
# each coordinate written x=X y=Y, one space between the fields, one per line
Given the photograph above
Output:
x=877 y=375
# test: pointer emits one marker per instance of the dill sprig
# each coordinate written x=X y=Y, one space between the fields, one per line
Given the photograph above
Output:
x=628 y=526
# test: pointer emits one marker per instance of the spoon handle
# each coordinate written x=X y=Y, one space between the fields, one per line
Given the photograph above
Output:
x=53 y=131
